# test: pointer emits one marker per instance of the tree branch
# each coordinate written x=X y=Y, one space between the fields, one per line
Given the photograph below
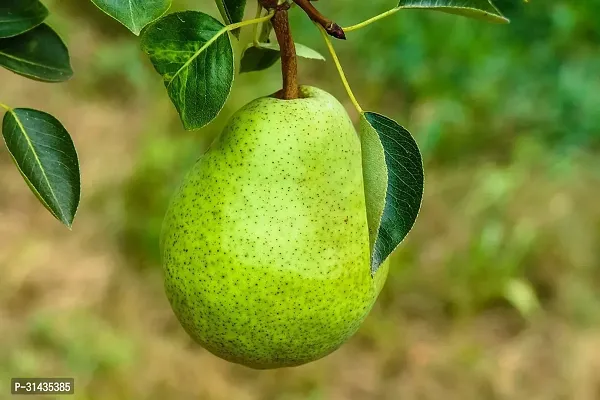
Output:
x=330 y=27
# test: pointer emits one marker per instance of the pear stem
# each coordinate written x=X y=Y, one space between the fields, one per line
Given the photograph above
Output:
x=289 y=62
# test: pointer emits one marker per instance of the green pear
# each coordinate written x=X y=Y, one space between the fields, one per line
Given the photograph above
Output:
x=265 y=244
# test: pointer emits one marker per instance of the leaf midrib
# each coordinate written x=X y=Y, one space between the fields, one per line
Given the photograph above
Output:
x=197 y=54
x=37 y=159
x=133 y=25
x=33 y=63
x=13 y=20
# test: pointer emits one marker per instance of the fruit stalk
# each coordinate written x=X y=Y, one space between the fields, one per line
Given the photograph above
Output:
x=289 y=63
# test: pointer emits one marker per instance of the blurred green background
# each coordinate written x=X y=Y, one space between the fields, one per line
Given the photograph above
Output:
x=494 y=295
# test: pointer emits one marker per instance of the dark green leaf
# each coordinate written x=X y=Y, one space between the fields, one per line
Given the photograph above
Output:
x=19 y=16
x=393 y=175
x=260 y=56
x=45 y=155
x=134 y=14
x=194 y=55
x=480 y=9
x=256 y=58
x=232 y=12
x=38 y=54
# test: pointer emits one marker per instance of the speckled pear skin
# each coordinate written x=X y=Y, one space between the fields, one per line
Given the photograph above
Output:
x=265 y=244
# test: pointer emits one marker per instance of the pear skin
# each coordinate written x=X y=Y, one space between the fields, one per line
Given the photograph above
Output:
x=265 y=244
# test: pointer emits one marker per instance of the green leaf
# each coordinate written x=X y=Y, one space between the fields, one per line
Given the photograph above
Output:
x=193 y=54
x=480 y=9
x=134 y=14
x=38 y=54
x=19 y=16
x=232 y=12
x=393 y=176
x=257 y=58
x=46 y=158
x=260 y=56
x=265 y=31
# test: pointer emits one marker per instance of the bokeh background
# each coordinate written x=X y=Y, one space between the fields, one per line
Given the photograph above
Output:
x=494 y=295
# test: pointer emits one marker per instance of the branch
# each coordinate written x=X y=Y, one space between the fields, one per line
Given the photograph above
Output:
x=330 y=27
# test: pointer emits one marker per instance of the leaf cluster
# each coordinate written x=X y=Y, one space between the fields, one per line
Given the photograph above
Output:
x=39 y=144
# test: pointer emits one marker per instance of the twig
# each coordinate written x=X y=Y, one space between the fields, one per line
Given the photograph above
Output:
x=330 y=27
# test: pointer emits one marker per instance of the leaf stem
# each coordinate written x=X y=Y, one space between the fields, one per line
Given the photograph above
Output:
x=244 y=23
x=289 y=61
x=371 y=20
x=7 y=108
x=340 y=69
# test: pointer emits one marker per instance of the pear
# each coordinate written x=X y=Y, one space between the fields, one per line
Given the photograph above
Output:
x=265 y=244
